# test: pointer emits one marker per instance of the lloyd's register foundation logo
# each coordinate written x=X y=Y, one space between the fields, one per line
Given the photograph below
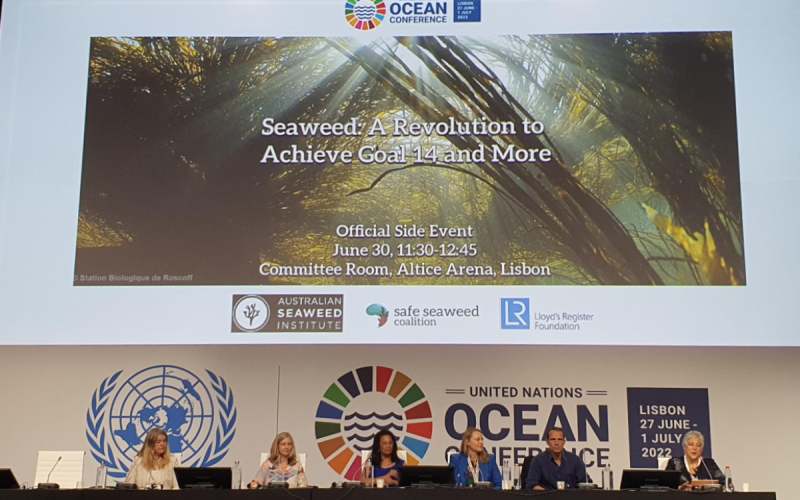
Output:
x=287 y=313
x=515 y=314
x=364 y=401
x=198 y=415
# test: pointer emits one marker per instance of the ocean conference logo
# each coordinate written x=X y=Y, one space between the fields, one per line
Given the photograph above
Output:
x=197 y=413
x=287 y=313
x=364 y=401
x=365 y=15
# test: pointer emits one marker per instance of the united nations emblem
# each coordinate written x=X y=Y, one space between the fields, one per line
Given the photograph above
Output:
x=200 y=423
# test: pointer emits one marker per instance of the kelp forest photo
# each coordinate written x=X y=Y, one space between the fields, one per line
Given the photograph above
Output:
x=207 y=158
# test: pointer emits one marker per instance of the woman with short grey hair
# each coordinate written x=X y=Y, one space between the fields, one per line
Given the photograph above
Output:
x=692 y=465
x=692 y=435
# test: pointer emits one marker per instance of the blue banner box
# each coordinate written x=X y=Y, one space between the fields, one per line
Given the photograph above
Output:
x=658 y=418
x=467 y=11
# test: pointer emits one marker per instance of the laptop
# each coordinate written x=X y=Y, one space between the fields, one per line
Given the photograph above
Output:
x=650 y=479
x=218 y=478
x=7 y=480
x=409 y=475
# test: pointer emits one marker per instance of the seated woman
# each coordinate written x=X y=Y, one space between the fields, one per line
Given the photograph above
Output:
x=153 y=467
x=692 y=465
x=474 y=464
x=282 y=465
x=384 y=459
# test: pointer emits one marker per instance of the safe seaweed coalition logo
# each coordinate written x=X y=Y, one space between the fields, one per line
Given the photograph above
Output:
x=364 y=15
x=381 y=312
x=200 y=423
x=364 y=401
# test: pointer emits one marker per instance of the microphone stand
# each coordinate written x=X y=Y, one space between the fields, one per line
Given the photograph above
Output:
x=48 y=485
x=585 y=485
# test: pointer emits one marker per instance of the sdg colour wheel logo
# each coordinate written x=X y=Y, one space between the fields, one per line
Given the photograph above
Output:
x=364 y=401
x=364 y=15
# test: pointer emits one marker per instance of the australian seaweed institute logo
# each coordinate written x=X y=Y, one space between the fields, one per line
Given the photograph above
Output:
x=365 y=15
x=287 y=313
x=364 y=401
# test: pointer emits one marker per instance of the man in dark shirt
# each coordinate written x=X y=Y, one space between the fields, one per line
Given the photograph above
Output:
x=556 y=464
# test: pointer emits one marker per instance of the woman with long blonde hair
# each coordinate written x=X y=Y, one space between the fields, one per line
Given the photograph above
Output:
x=474 y=464
x=282 y=465
x=153 y=467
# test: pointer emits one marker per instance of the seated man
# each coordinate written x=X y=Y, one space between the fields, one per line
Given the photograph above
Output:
x=556 y=464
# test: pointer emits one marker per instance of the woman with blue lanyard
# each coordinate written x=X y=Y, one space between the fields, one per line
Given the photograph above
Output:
x=474 y=464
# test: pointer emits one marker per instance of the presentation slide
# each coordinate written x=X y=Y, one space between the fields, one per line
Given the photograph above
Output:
x=398 y=171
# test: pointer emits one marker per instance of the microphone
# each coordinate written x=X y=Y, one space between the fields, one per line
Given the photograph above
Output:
x=153 y=484
x=710 y=476
x=481 y=482
x=585 y=485
x=48 y=485
x=54 y=468
x=585 y=472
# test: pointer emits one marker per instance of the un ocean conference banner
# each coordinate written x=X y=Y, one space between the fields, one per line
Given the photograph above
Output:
x=607 y=159
x=222 y=404
x=335 y=416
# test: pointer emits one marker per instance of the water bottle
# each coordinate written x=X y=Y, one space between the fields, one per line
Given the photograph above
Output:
x=608 y=478
x=516 y=477
x=369 y=475
x=728 y=479
x=102 y=475
x=237 y=476
x=506 y=474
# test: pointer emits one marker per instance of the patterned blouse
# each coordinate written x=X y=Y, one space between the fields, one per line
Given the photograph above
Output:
x=144 y=478
x=707 y=470
x=271 y=473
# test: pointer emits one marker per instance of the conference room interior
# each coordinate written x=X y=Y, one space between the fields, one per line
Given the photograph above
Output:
x=553 y=214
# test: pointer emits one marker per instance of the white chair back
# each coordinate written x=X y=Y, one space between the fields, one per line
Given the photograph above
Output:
x=662 y=462
x=401 y=454
x=177 y=457
x=450 y=454
x=66 y=474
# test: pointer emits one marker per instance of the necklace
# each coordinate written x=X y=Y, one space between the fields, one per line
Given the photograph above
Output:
x=473 y=467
